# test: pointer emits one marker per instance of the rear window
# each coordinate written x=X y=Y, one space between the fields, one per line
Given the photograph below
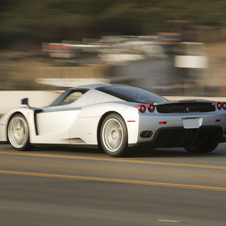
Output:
x=133 y=94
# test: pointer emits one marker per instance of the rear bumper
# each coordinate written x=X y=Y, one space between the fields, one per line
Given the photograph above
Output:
x=181 y=137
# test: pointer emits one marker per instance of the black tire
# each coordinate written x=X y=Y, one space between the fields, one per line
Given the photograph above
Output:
x=114 y=136
x=204 y=148
x=18 y=133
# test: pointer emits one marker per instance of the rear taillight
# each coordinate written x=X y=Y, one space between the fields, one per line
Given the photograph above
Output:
x=150 y=107
x=141 y=108
x=221 y=105
x=224 y=105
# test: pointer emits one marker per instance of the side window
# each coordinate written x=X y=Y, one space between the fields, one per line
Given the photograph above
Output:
x=68 y=97
x=71 y=97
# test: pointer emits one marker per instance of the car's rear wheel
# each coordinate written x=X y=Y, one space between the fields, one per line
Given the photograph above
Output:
x=204 y=148
x=114 y=136
x=18 y=132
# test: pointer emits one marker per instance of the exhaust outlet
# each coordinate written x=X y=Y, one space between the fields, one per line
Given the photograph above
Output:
x=146 y=134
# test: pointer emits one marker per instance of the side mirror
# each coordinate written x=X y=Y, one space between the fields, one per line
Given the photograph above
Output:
x=25 y=102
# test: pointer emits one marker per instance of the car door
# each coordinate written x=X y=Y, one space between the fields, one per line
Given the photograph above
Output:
x=54 y=122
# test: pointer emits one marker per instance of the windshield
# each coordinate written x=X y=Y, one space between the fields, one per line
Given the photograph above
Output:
x=133 y=94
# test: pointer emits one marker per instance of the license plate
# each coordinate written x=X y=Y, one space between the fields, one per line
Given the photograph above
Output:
x=192 y=123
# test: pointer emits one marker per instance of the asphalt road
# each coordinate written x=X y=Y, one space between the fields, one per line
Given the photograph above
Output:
x=64 y=186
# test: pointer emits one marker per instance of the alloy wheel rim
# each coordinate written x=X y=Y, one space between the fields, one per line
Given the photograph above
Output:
x=112 y=135
x=18 y=132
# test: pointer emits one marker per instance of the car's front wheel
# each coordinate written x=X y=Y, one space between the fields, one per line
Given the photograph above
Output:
x=114 y=136
x=204 y=148
x=18 y=132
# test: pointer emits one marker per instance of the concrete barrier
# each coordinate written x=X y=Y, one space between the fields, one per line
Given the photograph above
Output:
x=12 y=99
x=220 y=99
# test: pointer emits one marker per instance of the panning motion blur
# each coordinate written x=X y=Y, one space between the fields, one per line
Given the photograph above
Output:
x=116 y=118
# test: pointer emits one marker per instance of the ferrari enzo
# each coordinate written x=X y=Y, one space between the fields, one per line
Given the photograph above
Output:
x=116 y=118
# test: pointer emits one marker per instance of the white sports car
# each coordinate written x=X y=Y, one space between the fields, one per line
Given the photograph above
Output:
x=114 y=118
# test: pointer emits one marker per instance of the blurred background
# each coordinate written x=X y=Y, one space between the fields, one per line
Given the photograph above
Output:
x=174 y=48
